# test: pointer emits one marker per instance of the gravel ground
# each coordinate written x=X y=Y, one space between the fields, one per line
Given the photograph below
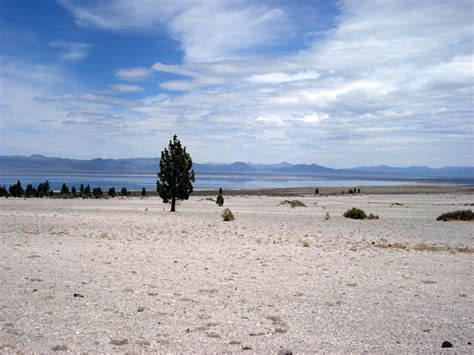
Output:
x=125 y=275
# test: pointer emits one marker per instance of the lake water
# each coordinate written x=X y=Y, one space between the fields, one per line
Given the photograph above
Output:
x=203 y=181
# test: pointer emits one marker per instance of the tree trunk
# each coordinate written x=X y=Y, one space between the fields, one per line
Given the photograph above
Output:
x=173 y=203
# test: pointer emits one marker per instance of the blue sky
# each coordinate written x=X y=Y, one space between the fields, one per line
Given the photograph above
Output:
x=338 y=83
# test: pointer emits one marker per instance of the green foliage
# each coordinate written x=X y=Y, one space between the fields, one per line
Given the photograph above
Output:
x=112 y=192
x=460 y=215
x=64 y=190
x=124 y=191
x=43 y=189
x=227 y=215
x=355 y=213
x=16 y=190
x=97 y=192
x=30 y=191
x=220 y=198
x=4 y=191
x=143 y=192
x=73 y=191
x=176 y=175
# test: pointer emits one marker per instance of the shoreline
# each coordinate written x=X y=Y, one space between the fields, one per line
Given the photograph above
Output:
x=337 y=190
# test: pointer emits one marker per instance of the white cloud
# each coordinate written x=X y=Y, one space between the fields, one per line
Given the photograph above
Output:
x=391 y=83
x=133 y=74
x=126 y=88
x=279 y=78
x=204 y=36
x=72 y=50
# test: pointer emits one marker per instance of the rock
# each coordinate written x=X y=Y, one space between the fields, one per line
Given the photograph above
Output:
x=141 y=309
x=285 y=352
x=59 y=348
x=446 y=344
x=119 y=341
x=78 y=295
x=246 y=347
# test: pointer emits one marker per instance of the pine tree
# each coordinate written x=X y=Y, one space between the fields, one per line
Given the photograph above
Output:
x=220 y=198
x=176 y=176
x=73 y=191
x=64 y=189
x=143 y=192
x=124 y=192
x=111 y=192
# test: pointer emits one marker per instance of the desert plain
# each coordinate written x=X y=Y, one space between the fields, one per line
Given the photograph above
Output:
x=126 y=275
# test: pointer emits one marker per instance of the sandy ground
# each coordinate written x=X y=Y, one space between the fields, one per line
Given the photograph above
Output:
x=126 y=275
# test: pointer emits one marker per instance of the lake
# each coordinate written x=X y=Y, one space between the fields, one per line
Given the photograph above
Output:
x=208 y=181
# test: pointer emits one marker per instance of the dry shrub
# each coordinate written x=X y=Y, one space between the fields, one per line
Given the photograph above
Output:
x=424 y=247
x=460 y=215
x=293 y=203
x=227 y=215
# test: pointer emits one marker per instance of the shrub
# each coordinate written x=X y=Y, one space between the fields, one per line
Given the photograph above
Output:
x=111 y=192
x=220 y=200
x=327 y=217
x=227 y=215
x=460 y=215
x=355 y=213
x=293 y=203
x=372 y=216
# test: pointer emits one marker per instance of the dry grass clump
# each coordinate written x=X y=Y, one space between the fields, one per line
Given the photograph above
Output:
x=424 y=247
x=293 y=203
x=460 y=215
x=227 y=215
x=357 y=213
x=390 y=246
x=427 y=247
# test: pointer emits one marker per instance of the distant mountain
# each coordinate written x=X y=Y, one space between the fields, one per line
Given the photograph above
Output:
x=39 y=164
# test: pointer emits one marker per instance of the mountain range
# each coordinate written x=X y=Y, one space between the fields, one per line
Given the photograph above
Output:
x=40 y=164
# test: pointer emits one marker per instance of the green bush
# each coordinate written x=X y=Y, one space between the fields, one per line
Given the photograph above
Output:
x=355 y=213
x=460 y=215
x=227 y=215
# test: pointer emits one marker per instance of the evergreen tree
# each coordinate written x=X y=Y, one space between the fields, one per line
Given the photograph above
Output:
x=111 y=192
x=73 y=191
x=64 y=189
x=3 y=191
x=29 y=192
x=16 y=190
x=176 y=176
x=143 y=192
x=81 y=190
x=87 y=191
x=220 y=198
x=124 y=191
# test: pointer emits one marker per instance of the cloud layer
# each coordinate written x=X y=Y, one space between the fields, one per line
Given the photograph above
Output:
x=388 y=83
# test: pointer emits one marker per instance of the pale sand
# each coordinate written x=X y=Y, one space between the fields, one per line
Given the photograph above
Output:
x=189 y=282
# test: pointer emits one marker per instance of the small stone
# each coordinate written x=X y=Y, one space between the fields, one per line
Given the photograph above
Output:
x=140 y=309
x=59 y=348
x=78 y=295
x=446 y=344
x=119 y=341
x=246 y=347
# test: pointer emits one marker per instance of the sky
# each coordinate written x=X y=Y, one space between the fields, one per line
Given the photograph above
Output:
x=338 y=83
